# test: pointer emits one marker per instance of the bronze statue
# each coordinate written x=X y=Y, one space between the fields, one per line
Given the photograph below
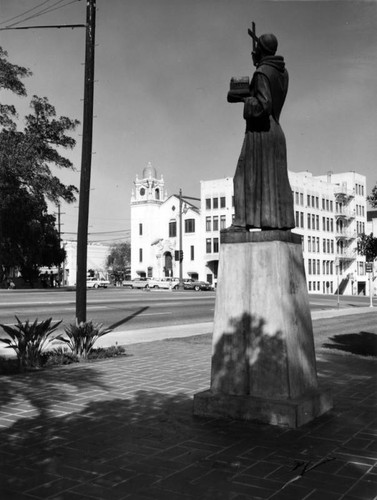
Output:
x=262 y=193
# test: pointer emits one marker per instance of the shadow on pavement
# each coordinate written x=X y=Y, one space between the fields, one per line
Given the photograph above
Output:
x=363 y=343
x=128 y=318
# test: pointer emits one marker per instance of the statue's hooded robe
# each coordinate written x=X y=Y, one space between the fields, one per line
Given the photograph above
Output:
x=262 y=193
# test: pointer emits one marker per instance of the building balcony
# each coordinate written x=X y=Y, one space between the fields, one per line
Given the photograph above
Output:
x=346 y=254
x=342 y=192
x=346 y=235
x=346 y=214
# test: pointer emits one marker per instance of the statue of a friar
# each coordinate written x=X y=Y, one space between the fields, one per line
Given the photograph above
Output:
x=262 y=193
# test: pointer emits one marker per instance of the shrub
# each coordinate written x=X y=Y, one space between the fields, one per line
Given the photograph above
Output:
x=58 y=356
x=81 y=337
x=107 y=352
x=28 y=340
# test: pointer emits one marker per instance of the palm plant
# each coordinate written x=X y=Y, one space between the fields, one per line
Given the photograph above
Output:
x=81 y=337
x=28 y=340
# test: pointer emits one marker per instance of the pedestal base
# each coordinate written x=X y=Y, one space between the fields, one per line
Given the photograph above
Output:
x=263 y=358
x=284 y=413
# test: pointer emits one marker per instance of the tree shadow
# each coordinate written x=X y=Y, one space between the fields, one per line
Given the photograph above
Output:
x=40 y=391
x=252 y=359
x=362 y=343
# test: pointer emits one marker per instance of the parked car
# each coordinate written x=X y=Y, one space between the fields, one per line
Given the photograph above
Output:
x=165 y=283
x=190 y=284
x=136 y=283
x=97 y=283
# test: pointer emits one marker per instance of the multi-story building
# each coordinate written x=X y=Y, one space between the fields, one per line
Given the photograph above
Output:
x=330 y=212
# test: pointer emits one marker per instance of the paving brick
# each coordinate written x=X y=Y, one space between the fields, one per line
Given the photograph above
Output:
x=123 y=428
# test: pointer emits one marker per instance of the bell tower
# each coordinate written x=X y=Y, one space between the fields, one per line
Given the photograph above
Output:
x=148 y=189
x=147 y=197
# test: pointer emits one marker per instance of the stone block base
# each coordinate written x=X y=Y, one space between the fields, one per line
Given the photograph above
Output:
x=290 y=413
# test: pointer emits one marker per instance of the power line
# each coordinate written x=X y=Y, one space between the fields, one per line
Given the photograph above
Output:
x=26 y=12
x=42 y=12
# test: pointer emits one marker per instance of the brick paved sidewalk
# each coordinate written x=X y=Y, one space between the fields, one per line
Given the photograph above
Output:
x=123 y=428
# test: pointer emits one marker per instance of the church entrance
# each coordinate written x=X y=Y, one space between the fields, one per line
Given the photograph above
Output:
x=168 y=267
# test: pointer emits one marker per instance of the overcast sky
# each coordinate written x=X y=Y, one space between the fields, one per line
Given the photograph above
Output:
x=163 y=69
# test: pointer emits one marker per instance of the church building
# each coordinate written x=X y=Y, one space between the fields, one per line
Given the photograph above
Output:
x=163 y=230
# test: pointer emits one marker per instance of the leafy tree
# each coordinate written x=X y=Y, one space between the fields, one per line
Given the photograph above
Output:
x=367 y=246
x=10 y=75
x=119 y=259
x=28 y=236
x=372 y=198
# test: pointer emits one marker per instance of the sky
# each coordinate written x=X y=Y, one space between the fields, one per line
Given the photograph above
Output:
x=162 y=71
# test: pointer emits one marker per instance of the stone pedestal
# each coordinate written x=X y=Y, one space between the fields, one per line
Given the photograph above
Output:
x=263 y=359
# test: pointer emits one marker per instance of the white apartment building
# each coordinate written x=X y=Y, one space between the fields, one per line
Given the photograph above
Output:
x=330 y=212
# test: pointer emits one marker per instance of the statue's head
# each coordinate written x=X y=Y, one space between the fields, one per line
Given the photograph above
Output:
x=267 y=45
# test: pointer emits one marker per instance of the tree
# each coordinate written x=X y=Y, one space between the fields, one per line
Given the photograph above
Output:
x=372 y=198
x=28 y=236
x=119 y=260
x=10 y=79
x=367 y=246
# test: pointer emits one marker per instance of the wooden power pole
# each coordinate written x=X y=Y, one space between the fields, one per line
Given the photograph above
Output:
x=86 y=161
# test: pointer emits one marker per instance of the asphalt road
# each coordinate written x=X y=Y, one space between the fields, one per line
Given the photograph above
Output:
x=116 y=307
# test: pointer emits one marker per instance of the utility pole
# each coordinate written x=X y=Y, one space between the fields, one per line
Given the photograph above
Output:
x=180 y=241
x=60 y=242
x=181 y=199
x=86 y=161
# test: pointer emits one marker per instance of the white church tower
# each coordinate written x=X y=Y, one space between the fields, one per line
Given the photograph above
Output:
x=147 y=197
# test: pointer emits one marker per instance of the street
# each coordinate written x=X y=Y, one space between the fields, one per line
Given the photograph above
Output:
x=116 y=307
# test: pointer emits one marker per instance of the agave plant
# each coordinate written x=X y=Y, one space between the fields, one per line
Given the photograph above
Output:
x=81 y=337
x=28 y=340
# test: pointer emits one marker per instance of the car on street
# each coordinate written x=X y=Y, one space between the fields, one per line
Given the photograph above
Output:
x=197 y=285
x=165 y=283
x=136 y=283
x=97 y=283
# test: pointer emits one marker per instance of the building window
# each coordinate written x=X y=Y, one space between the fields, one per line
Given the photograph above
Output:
x=192 y=252
x=216 y=223
x=309 y=243
x=308 y=221
x=308 y=200
x=157 y=192
x=301 y=219
x=222 y=221
x=140 y=229
x=172 y=229
x=208 y=223
x=208 y=245
x=190 y=226
x=208 y=203
x=222 y=202
x=215 y=245
x=297 y=219
x=215 y=202
x=140 y=255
